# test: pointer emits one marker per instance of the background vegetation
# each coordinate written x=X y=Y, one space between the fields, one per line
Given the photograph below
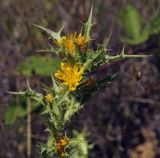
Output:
x=127 y=112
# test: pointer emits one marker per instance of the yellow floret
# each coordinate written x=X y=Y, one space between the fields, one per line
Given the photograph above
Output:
x=70 y=75
x=49 y=97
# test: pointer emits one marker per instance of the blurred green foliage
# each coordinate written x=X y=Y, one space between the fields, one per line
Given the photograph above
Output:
x=40 y=65
x=18 y=110
x=82 y=149
x=131 y=22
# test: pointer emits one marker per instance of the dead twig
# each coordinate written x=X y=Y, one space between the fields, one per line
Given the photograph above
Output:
x=29 y=142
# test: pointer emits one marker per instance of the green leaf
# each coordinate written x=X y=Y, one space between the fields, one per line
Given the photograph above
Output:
x=130 y=21
x=154 y=25
x=41 y=65
x=88 y=26
x=144 y=36
x=54 y=35
x=13 y=112
x=10 y=115
x=22 y=111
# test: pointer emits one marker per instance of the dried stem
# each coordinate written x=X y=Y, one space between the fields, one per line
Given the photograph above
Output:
x=29 y=132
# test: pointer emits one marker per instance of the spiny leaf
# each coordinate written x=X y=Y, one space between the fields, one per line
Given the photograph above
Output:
x=88 y=25
x=29 y=87
x=80 y=144
x=17 y=93
x=122 y=52
x=54 y=35
x=90 y=61
x=55 y=85
x=106 y=41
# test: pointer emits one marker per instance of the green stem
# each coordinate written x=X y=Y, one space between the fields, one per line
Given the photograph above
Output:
x=124 y=56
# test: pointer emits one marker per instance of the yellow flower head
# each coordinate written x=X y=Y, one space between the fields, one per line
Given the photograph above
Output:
x=49 y=97
x=67 y=43
x=70 y=42
x=61 y=143
x=80 y=40
x=61 y=41
x=70 y=75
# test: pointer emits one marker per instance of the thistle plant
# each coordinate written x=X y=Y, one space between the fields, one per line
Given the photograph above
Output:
x=70 y=84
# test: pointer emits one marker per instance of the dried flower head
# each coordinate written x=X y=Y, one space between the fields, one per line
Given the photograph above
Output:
x=61 y=143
